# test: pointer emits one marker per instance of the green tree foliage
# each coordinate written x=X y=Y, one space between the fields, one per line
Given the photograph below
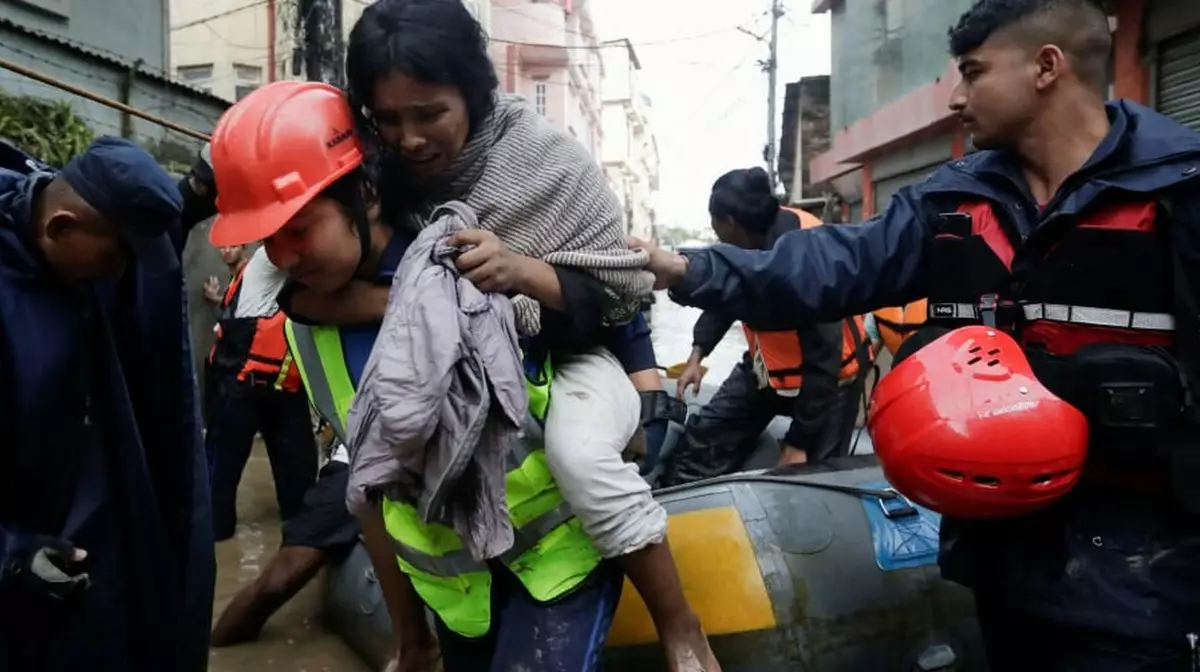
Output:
x=49 y=130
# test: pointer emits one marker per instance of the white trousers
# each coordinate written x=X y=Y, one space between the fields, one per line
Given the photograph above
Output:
x=594 y=412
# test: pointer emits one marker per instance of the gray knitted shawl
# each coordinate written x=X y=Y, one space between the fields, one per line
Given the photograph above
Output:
x=544 y=196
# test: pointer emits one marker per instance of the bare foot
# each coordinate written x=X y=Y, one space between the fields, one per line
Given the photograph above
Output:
x=687 y=649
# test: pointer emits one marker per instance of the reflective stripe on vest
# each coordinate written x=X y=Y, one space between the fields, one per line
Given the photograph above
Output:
x=1100 y=276
x=551 y=554
x=330 y=389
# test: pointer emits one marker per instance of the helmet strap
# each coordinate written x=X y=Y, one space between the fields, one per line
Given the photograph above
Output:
x=362 y=224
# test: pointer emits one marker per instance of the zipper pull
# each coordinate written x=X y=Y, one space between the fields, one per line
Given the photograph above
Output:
x=1193 y=639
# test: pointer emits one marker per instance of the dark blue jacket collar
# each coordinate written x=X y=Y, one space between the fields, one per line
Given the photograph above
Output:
x=17 y=249
x=1144 y=151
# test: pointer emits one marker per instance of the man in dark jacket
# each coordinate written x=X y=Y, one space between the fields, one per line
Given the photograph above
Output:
x=1078 y=228
x=796 y=373
x=106 y=558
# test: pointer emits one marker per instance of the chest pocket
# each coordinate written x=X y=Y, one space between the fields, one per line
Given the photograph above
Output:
x=971 y=257
x=1111 y=256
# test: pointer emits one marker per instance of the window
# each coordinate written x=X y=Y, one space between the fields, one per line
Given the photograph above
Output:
x=199 y=76
x=251 y=73
x=539 y=95
x=246 y=79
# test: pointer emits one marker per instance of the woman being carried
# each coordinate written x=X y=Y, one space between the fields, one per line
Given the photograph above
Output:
x=420 y=71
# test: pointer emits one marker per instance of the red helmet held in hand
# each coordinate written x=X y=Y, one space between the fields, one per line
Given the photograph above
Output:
x=964 y=428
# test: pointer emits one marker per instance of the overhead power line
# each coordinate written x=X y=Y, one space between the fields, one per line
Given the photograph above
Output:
x=213 y=17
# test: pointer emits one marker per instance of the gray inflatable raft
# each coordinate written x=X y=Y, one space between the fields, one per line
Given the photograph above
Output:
x=812 y=568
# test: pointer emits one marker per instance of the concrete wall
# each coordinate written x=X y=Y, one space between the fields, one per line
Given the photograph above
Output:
x=108 y=78
x=125 y=29
x=232 y=36
x=200 y=260
x=883 y=49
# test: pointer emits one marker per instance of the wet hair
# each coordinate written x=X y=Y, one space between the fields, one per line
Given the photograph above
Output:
x=348 y=191
x=1078 y=27
x=435 y=41
x=353 y=193
x=746 y=197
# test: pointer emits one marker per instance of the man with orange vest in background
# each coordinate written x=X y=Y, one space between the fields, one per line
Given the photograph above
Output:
x=896 y=323
x=253 y=387
x=814 y=373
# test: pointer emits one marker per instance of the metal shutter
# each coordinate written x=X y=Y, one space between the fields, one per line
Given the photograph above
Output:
x=885 y=189
x=856 y=212
x=1179 y=78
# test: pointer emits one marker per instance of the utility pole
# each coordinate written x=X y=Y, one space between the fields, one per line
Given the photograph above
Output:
x=772 y=68
x=319 y=31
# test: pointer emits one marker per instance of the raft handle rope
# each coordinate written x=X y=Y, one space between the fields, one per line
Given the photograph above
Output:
x=900 y=506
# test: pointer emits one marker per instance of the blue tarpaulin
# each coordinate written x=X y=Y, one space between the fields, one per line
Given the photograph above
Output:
x=904 y=535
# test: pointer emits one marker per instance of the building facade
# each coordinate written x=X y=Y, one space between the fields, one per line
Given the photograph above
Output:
x=231 y=47
x=630 y=152
x=546 y=51
x=892 y=80
x=87 y=45
x=805 y=135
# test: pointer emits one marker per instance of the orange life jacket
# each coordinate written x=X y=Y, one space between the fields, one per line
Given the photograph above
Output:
x=254 y=347
x=897 y=323
x=780 y=352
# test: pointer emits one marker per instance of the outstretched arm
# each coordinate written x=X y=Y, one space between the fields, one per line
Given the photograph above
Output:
x=815 y=275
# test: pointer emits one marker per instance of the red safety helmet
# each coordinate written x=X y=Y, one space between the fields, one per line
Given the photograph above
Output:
x=964 y=428
x=273 y=152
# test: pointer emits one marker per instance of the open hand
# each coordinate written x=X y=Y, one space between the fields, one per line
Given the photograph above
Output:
x=668 y=267
x=691 y=377
x=487 y=263
x=212 y=290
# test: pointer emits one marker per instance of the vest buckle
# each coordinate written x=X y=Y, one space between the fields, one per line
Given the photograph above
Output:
x=988 y=304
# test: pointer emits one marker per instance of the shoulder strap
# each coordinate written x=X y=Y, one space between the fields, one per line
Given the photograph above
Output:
x=232 y=292
x=14 y=159
x=1187 y=314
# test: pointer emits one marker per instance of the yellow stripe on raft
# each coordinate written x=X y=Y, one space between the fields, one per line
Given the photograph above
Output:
x=720 y=575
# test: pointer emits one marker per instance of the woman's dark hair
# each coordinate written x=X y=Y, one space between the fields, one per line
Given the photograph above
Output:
x=352 y=192
x=746 y=197
x=436 y=41
x=348 y=191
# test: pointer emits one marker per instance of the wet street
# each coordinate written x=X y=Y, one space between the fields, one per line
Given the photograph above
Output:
x=295 y=640
x=672 y=326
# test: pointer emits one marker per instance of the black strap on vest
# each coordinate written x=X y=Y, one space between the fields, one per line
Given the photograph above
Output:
x=902 y=329
x=1184 y=458
x=658 y=405
x=1187 y=319
x=862 y=351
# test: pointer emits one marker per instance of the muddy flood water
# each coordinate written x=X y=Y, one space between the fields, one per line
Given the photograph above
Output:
x=294 y=640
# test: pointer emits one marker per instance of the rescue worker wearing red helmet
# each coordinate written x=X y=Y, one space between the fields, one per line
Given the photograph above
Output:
x=1076 y=230
x=287 y=164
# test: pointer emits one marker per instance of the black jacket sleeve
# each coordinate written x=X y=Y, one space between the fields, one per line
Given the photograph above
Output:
x=710 y=328
x=821 y=344
x=587 y=301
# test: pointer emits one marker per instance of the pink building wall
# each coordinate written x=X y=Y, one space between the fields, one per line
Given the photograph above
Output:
x=540 y=43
